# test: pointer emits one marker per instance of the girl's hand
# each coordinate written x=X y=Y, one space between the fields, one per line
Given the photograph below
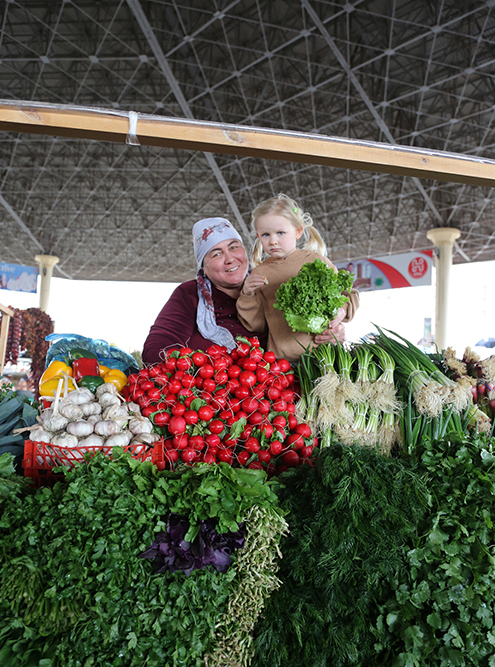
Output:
x=253 y=282
x=335 y=331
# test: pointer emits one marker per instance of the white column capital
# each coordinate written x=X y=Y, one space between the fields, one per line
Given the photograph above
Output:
x=46 y=262
x=442 y=235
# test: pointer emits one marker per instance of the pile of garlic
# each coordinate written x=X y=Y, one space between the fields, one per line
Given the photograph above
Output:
x=81 y=419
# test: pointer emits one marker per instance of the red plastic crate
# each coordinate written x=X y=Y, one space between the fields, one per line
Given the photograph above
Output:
x=40 y=458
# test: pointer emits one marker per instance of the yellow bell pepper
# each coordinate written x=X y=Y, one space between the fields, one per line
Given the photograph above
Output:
x=55 y=370
x=103 y=370
x=116 y=377
x=49 y=388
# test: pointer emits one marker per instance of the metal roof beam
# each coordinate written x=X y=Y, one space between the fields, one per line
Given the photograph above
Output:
x=353 y=79
x=145 y=26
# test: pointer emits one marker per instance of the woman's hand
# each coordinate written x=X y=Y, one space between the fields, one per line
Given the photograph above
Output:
x=335 y=332
x=253 y=282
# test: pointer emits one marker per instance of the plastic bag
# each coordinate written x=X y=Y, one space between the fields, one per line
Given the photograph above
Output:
x=108 y=355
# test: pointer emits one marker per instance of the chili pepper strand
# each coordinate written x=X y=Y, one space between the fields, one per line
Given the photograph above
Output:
x=36 y=326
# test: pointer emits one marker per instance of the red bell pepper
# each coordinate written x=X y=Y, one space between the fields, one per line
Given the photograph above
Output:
x=84 y=366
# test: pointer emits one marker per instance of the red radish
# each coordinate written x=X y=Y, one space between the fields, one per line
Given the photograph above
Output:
x=247 y=378
x=177 y=425
x=188 y=455
x=188 y=381
x=196 y=442
x=199 y=358
x=291 y=458
x=275 y=448
x=161 y=418
x=255 y=418
x=295 y=440
x=184 y=363
x=264 y=456
x=221 y=377
x=216 y=426
x=172 y=455
x=206 y=412
x=212 y=440
x=234 y=371
x=243 y=457
x=191 y=416
x=261 y=374
x=224 y=455
x=303 y=429
x=249 y=364
x=206 y=371
x=285 y=365
x=252 y=444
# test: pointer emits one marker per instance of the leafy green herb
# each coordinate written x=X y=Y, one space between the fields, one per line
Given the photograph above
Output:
x=312 y=298
x=443 y=606
x=73 y=590
x=10 y=481
x=349 y=518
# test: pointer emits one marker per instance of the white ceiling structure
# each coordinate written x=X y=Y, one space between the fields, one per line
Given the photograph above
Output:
x=413 y=74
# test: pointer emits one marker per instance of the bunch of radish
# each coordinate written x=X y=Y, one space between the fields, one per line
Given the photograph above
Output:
x=216 y=406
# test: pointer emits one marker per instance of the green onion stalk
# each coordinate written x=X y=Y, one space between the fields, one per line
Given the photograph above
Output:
x=488 y=369
x=385 y=398
x=347 y=394
x=308 y=372
x=430 y=388
x=384 y=394
x=375 y=413
x=455 y=394
x=478 y=420
x=355 y=433
x=325 y=386
x=363 y=357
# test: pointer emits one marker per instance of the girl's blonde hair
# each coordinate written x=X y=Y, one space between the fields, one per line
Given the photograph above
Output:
x=288 y=208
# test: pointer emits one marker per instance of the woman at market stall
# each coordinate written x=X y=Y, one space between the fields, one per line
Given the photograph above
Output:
x=203 y=311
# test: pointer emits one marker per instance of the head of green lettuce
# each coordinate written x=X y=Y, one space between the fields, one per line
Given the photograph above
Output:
x=310 y=300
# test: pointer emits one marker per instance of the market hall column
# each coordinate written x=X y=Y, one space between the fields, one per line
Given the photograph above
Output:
x=46 y=262
x=443 y=239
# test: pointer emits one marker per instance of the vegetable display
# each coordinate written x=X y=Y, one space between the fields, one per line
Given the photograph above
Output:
x=235 y=408
x=311 y=299
x=387 y=560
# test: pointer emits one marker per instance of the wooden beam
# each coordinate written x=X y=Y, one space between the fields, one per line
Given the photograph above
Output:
x=109 y=125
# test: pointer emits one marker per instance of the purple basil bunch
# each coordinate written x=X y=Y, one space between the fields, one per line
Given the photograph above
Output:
x=171 y=552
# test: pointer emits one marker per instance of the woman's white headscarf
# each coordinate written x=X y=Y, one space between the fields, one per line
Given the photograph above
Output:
x=206 y=234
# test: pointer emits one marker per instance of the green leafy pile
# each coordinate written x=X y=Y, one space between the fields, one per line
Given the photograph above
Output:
x=349 y=519
x=442 y=611
x=10 y=481
x=73 y=591
x=16 y=411
x=311 y=299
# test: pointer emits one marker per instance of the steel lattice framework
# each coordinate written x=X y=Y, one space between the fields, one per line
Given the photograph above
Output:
x=407 y=73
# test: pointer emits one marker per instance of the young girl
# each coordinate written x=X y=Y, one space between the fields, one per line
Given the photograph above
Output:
x=278 y=224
